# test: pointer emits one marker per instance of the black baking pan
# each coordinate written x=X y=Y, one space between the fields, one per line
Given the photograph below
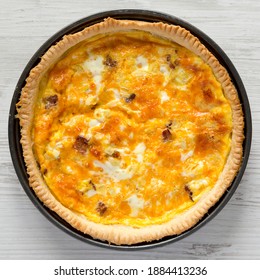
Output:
x=151 y=16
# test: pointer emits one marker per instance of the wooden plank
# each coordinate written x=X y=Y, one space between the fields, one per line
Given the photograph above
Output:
x=25 y=233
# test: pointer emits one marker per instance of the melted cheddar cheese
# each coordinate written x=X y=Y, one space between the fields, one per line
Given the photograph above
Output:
x=130 y=129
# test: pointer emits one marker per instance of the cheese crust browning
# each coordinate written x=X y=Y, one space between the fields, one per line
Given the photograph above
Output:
x=131 y=131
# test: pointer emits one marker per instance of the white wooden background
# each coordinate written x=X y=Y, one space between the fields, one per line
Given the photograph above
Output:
x=25 y=26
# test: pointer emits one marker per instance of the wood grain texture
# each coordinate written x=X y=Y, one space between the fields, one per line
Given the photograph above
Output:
x=25 y=233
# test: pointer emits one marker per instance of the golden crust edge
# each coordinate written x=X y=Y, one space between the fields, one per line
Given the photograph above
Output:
x=119 y=234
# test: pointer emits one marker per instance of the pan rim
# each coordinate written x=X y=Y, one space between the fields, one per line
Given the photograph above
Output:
x=134 y=14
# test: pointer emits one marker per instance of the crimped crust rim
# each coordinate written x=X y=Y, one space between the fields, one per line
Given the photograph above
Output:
x=119 y=234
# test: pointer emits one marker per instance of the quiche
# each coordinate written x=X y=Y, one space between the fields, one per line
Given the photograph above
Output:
x=131 y=131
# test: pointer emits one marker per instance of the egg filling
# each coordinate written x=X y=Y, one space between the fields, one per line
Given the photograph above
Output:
x=130 y=129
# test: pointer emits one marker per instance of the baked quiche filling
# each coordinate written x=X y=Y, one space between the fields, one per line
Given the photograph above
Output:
x=130 y=129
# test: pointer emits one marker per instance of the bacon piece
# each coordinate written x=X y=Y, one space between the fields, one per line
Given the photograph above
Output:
x=166 y=134
x=168 y=59
x=110 y=62
x=81 y=144
x=94 y=107
x=93 y=185
x=101 y=208
x=169 y=125
x=116 y=154
x=190 y=193
x=130 y=98
x=51 y=101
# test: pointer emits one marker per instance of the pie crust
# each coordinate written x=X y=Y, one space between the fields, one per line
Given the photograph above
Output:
x=117 y=233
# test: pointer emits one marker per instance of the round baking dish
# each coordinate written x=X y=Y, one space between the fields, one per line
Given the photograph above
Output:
x=144 y=15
